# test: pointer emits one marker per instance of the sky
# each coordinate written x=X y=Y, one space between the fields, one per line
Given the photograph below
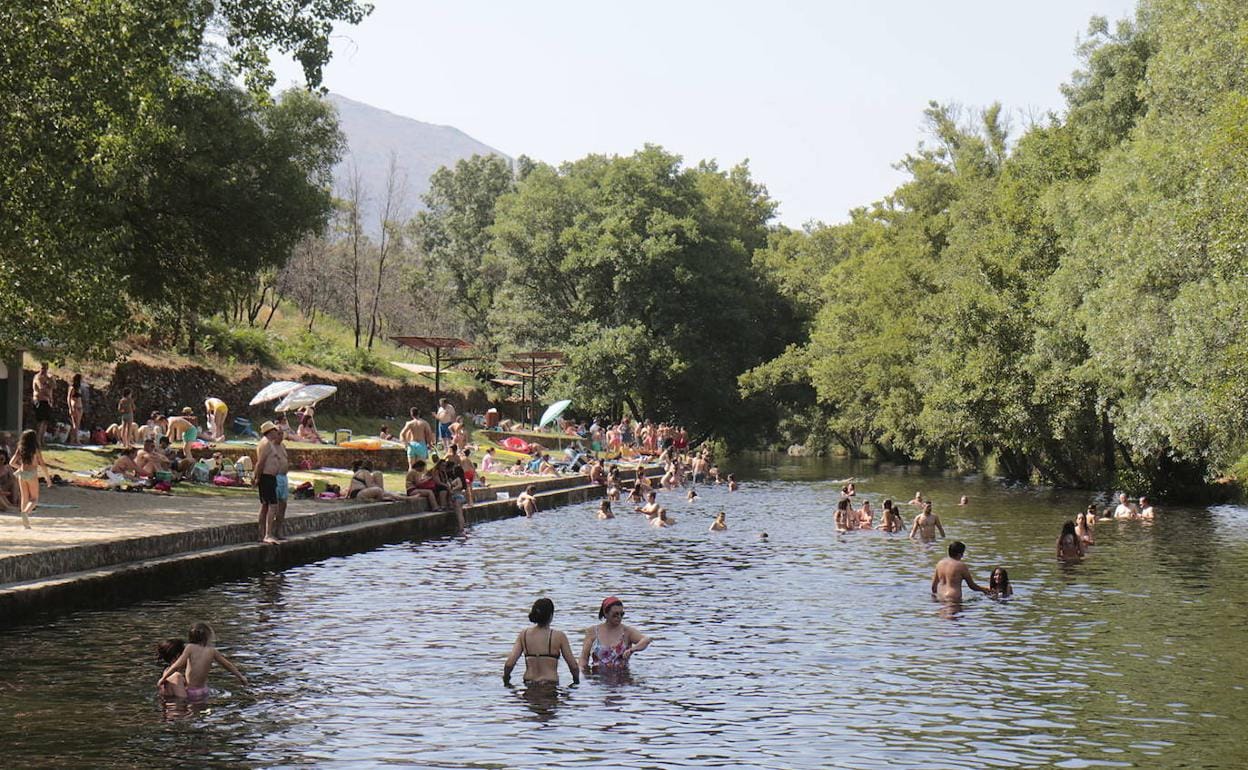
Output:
x=822 y=98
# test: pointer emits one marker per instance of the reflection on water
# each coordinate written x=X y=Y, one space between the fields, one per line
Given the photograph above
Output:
x=809 y=649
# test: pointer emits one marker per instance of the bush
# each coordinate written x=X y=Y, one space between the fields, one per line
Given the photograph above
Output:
x=311 y=349
x=244 y=344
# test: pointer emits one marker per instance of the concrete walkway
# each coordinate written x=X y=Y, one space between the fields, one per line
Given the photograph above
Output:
x=115 y=547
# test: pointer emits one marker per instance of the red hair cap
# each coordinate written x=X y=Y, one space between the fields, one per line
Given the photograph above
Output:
x=606 y=605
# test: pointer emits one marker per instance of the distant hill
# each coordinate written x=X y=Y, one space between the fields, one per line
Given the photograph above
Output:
x=420 y=149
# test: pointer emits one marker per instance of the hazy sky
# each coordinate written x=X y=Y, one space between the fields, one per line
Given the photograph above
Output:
x=821 y=97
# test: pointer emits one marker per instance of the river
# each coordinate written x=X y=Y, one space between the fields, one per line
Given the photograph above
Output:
x=807 y=650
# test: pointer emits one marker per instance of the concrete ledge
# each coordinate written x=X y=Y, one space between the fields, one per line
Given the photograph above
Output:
x=124 y=571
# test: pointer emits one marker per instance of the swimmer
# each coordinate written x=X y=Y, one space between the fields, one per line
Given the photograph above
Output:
x=762 y=536
x=604 y=510
x=918 y=499
x=196 y=660
x=964 y=501
x=541 y=666
x=1146 y=509
x=844 y=516
x=1084 y=523
x=526 y=501
x=1125 y=509
x=892 y=518
x=693 y=495
x=610 y=644
x=651 y=508
x=999 y=583
x=950 y=573
x=719 y=525
x=661 y=520
x=732 y=483
x=850 y=490
x=1069 y=546
x=866 y=520
x=926 y=524
x=175 y=686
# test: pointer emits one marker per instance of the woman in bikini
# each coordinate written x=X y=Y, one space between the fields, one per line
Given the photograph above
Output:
x=26 y=463
x=74 y=402
x=610 y=644
x=541 y=647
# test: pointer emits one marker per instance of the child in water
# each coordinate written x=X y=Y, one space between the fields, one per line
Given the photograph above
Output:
x=604 y=510
x=999 y=583
x=693 y=495
x=175 y=686
x=719 y=525
x=732 y=483
x=196 y=660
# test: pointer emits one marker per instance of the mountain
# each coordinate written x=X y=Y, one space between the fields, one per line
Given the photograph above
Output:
x=419 y=149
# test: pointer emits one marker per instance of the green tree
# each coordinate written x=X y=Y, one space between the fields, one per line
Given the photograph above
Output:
x=454 y=234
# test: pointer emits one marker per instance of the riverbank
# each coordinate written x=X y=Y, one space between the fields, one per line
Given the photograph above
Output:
x=91 y=549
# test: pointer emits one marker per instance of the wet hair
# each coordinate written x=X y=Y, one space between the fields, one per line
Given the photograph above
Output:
x=888 y=503
x=76 y=382
x=605 y=608
x=27 y=445
x=957 y=548
x=1068 y=529
x=999 y=580
x=1091 y=508
x=414 y=412
x=605 y=506
x=542 y=612
x=201 y=633
x=125 y=391
x=842 y=504
x=170 y=649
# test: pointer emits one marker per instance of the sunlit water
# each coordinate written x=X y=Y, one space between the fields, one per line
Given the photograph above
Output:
x=808 y=650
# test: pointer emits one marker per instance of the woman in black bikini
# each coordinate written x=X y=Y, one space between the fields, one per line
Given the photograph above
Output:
x=541 y=647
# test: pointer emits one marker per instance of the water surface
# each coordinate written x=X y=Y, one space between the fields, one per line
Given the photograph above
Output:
x=809 y=650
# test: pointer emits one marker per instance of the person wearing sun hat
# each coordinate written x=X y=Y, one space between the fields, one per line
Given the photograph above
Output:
x=610 y=644
x=271 y=468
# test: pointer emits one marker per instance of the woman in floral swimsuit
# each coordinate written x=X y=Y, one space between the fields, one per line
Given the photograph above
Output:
x=610 y=644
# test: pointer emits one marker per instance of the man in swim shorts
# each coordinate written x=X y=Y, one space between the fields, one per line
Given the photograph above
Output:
x=950 y=573
x=446 y=415
x=417 y=436
x=42 y=393
x=271 y=468
x=926 y=525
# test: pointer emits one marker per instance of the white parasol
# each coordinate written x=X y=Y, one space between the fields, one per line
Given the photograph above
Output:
x=553 y=412
x=308 y=395
x=275 y=390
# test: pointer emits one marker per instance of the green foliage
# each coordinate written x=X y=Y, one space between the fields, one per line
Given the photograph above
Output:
x=1072 y=307
x=645 y=266
x=311 y=349
x=242 y=345
x=454 y=234
x=130 y=165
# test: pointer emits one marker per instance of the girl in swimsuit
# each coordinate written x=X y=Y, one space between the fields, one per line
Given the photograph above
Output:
x=999 y=583
x=1069 y=546
x=541 y=666
x=610 y=644
x=26 y=463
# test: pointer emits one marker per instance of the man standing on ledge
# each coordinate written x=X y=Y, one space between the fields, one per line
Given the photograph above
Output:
x=42 y=392
x=446 y=415
x=271 y=468
x=950 y=574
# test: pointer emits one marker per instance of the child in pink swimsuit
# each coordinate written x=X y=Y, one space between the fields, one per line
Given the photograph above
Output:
x=196 y=660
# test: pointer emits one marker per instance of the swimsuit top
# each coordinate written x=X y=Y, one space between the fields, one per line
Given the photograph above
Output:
x=608 y=657
x=549 y=646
